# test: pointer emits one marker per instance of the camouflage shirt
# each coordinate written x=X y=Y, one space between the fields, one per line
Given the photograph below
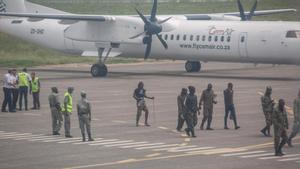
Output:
x=280 y=118
x=297 y=110
x=267 y=103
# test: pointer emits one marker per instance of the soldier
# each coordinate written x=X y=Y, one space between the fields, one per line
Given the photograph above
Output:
x=280 y=124
x=296 y=127
x=208 y=99
x=139 y=95
x=55 y=111
x=84 y=116
x=191 y=110
x=67 y=109
x=267 y=105
x=229 y=106
x=181 y=108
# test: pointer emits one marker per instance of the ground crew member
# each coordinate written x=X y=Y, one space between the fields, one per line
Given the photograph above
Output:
x=35 y=90
x=267 y=105
x=208 y=100
x=55 y=111
x=24 y=81
x=181 y=108
x=191 y=109
x=229 y=106
x=139 y=95
x=296 y=126
x=67 y=109
x=280 y=123
x=15 y=89
x=84 y=116
x=7 y=85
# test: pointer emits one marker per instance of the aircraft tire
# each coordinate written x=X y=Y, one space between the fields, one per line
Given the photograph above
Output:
x=99 y=70
x=192 y=66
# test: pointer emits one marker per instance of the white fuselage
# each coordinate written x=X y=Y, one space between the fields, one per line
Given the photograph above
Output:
x=226 y=41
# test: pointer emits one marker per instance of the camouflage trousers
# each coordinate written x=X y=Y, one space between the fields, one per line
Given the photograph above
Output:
x=280 y=136
x=268 y=118
x=296 y=129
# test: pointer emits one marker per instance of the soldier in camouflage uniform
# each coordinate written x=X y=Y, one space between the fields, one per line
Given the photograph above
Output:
x=296 y=127
x=208 y=100
x=280 y=124
x=181 y=108
x=267 y=105
x=191 y=107
x=55 y=111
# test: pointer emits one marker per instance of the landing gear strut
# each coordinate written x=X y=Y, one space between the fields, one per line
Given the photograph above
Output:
x=192 y=66
x=100 y=69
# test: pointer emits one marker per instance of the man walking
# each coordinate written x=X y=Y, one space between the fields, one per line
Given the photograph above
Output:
x=67 y=109
x=84 y=116
x=55 y=111
x=191 y=109
x=35 y=90
x=181 y=108
x=267 y=105
x=139 y=95
x=229 y=106
x=280 y=124
x=7 y=90
x=296 y=126
x=24 y=81
x=208 y=101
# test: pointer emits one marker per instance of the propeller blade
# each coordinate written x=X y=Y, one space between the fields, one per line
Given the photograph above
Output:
x=164 y=43
x=148 y=49
x=166 y=20
x=138 y=35
x=252 y=11
x=142 y=16
x=242 y=11
x=154 y=11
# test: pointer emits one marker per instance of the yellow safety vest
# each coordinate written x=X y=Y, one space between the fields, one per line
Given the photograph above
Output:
x=35 y=85
x=23 y=80
x=69 y=104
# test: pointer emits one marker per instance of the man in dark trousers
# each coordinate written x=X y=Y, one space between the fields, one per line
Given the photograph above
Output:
x=296 y=126
x=267 y=105
x=181 y=108
x=191 y=109
x=15 y=89
x=35 y=91
x=7 y=90
x=280 y=124
x=24 y=81
x=55 y=108
x=208 y=101
x=229 y=106
x=139 y=95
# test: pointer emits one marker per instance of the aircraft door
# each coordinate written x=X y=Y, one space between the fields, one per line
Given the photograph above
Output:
x=243 y=44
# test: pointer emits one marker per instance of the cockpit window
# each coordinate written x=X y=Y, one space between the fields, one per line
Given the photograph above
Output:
x=293 y=34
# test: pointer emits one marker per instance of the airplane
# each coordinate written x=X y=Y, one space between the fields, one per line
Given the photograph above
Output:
x=223 y=37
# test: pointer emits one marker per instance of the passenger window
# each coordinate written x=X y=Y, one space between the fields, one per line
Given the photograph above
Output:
x=191 y=37
x=216 y=38
x=184 y=37
x=228 y=39
x=293 y=34
x=178 y=37
x=198 y=38
x=209 y=39
x=166 y=37
x=243 y=39
x=172 y=37
x=203 y=38
x=222 y=38
x=16 y=21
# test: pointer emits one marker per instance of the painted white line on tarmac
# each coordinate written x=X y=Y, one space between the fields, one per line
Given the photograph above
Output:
x=103 y=141
x=177 y=148
x=243 y=153
x=142 y=145
x=71 y=141
x=276 y=157
x=89 y=142
x=258 y=155
x=126 y=144
x=112 y=142
x=190 y=149
x=159 y=146
x=60 y=139
x=290 y=159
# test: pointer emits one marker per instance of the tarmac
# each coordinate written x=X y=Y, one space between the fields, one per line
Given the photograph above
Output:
x=26 y=141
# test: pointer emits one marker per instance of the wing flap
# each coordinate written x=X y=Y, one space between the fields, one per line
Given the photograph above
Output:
x=264 y=12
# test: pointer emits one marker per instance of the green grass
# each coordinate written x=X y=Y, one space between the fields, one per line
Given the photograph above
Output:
x=17 y=53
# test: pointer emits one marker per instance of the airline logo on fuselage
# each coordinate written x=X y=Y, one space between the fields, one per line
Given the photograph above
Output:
x=2 y=6
x=220 y=32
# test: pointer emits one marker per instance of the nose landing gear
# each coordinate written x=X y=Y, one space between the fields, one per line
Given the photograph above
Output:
x=192 y=66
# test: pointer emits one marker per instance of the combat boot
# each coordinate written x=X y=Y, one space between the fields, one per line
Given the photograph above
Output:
x=263 y=131
x=83 y=138
x=90 y=137
x=193 y=133
x=187 y=132
x=289 y=142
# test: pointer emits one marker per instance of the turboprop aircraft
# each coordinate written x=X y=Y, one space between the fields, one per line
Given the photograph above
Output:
x=223 y=37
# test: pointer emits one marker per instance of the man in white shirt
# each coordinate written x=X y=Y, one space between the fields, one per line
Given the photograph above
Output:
x=7 y=90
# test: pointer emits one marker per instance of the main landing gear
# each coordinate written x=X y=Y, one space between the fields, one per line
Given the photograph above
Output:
x=192 y=66
x=100 y=69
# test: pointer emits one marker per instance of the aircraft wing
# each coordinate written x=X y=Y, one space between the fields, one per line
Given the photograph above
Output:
x=264 y=12
x=75 y=17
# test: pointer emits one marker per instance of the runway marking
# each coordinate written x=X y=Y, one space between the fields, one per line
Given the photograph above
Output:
x=111 y=142
x=102 y=141
x=163 y=128
x=257 y=155
x=243 y=153
x=126 y=144
x=142 y=145
x=153 y=155
x=290 y=159
x=89 y=142
x=159 y=146
x=57 y=140
x=71 y=141
x=187 y=139
x=217 y=151
x=119 y=121
x=276 y=157
x=190 y=149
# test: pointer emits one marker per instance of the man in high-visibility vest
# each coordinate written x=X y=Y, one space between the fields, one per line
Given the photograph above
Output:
x=24 y=81
x=35 y=90
x=67 y=109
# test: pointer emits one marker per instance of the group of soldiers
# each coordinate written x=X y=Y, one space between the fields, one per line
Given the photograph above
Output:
x=277 y=116
x=188 y=108
x=63 y=113
x=16 y=86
